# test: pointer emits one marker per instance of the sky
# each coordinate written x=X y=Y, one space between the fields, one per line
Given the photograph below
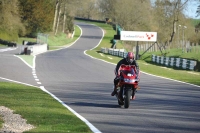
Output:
x=191 y=8
x=191 y=11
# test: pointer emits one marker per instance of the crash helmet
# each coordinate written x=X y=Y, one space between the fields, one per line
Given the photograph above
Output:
x=130 y=57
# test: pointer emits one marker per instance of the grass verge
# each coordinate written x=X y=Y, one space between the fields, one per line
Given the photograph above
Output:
x=61 y=40
x=1 y=122
x=177 y=53
x=40 y=110
x=27 y=58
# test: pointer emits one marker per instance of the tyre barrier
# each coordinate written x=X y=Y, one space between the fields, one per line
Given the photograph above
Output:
x=9 y=44
x=167 y=61
x=174 y=62
x=115 y=52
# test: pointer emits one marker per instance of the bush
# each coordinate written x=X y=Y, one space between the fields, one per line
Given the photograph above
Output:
x=5 y=35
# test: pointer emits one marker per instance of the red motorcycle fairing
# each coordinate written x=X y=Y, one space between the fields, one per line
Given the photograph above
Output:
x=128 y=75
x=128 y=84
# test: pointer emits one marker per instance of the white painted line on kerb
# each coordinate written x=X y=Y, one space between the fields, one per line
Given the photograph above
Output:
x=110 y=58
x=34 y=58
x=94 y=129
x=23 y=61
x=18 y=82
x=145 y=63
x=101 y=54
x=193 y=73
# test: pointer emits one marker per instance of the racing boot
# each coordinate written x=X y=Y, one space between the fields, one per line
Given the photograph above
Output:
x=114 y=91
x=133 y=95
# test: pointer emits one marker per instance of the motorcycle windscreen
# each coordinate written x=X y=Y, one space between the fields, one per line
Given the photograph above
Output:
x=129 y=72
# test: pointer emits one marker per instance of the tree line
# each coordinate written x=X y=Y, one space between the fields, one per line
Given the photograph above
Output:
x=29 y=17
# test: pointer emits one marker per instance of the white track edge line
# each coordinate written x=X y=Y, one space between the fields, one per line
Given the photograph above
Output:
x=94 y=129
x=18 y=82
x=23 y=61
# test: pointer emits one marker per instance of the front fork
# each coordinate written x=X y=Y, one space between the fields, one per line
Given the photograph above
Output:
x=123 y=90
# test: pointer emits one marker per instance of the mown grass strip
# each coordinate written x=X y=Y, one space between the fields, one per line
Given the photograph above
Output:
x=27 y=58
x=60 y=40
x=40 y=109
x=1 y=122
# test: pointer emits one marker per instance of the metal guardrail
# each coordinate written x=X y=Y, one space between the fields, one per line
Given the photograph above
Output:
x=174 y=62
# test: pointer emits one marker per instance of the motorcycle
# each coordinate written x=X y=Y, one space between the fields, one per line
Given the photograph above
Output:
x=128 y=84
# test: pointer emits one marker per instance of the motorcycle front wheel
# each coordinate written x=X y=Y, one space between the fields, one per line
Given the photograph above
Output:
x=127 y=96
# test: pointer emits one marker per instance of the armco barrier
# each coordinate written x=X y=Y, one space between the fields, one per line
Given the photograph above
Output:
x=174 y=62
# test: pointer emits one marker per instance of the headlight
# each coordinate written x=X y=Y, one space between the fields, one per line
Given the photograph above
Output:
x=129 y=80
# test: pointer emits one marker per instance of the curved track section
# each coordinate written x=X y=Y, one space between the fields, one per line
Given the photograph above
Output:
x=85 y=84
x=13 y=69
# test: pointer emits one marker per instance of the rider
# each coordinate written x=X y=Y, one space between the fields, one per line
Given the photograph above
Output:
x=129 y=60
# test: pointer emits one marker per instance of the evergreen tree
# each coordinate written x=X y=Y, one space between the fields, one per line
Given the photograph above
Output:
x=37 y=15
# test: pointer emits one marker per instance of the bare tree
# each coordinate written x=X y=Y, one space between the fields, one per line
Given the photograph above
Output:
x=58 y=19
x=55 y=15
x=168 y=15
x=198 y=11
x=176 y=11
x=64 y=19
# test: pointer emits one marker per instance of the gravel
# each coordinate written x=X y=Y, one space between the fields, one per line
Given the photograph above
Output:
x=13 y=123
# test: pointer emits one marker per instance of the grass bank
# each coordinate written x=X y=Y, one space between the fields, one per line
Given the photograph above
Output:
x=1 y=122
x=40 y=110
x=177 y=53
x=61 y=40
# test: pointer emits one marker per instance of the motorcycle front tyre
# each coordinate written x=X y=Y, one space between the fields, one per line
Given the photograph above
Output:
x=127 y=98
